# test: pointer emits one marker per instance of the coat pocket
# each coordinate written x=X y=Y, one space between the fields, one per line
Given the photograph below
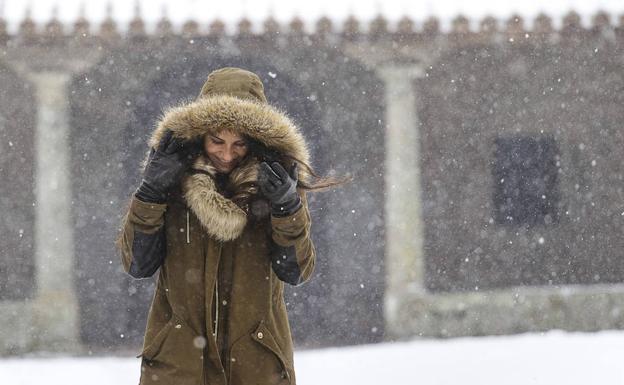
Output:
x=152 y=347
x=149 y=346
x=175 y=343
x=260 y=360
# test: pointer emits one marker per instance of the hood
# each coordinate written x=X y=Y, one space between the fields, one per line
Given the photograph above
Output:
x=235 y=82
x=258 y=121
x=222 y=217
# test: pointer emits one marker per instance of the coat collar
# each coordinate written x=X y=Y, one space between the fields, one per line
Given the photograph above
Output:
x=220 y=216
x=223 y=217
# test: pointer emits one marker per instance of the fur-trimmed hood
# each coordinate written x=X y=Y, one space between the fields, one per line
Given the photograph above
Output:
x=221 y=216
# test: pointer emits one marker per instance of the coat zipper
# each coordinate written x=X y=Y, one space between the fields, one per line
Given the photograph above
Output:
x=188 y=233
x=216 y=320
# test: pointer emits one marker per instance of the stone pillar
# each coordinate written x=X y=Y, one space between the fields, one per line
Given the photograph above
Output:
x=403 y=204
x=55 y=308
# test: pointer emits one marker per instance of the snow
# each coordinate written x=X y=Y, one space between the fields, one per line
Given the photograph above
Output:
x=553 y=357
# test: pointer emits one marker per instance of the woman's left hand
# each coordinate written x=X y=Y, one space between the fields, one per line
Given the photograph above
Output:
x=280 y=187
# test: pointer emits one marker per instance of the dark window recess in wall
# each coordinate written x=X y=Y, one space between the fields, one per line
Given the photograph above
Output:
x=526 y=185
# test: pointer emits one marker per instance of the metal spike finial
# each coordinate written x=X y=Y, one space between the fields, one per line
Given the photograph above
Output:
x=137 y=9
x=164 y=27
x=28 y=11
x=108 y=29
x=190 y=28
x=405 y=26
x=431 y=26
x=3 y=24
x=515 y=25
x=81 y=26
x=324 y=26
x=27 y=27
x=296 y=25
x=461 y=24
x=378 y=26
x=244 y=26
x=137 y=27
x=542 y=24
x=572 y=20
x=109 y=10
x=271 y=26
x=54 y=28
x=601 y=19
x=55 y=11
x=488 y=25
x=217 y=28
x=351 y=27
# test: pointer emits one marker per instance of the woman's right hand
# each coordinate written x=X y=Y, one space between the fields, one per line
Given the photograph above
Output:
x=165 y=166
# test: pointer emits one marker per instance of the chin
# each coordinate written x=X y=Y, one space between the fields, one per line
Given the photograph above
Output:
x=226 y=170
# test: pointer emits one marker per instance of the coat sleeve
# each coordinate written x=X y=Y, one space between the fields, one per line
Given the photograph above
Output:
x=292 y=251
x=142 y=243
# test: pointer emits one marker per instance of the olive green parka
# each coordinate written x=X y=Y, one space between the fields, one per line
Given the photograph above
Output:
x=218 y=315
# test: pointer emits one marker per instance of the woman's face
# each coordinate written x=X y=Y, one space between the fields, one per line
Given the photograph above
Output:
x=225 y=149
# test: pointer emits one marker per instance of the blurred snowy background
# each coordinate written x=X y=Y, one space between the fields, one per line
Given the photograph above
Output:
x=482 y=243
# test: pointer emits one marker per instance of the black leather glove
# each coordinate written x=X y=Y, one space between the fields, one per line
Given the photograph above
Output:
x=165 y=166
x=280 y=187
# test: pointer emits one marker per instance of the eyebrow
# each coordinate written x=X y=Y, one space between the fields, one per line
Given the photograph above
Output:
x=216 y=137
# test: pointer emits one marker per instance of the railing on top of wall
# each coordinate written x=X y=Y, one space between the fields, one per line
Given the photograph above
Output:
x=405 y=31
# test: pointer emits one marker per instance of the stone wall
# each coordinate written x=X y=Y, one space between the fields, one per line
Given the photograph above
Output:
x=17 y=171
x=479 y=95
x=422 y=244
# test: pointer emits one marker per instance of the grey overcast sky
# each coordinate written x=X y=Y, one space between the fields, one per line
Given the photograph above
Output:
x=310 y=10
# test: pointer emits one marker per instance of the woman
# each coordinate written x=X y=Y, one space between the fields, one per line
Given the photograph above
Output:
x=222 y=211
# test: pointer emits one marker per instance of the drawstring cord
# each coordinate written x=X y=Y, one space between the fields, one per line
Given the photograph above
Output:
x=188 y=235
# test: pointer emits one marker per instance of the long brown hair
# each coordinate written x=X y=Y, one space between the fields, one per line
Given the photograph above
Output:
x=264 y=154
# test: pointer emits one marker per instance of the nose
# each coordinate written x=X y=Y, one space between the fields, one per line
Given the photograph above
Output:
x=228 y=156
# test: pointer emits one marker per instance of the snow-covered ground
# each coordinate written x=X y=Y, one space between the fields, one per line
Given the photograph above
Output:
x=552 y=358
